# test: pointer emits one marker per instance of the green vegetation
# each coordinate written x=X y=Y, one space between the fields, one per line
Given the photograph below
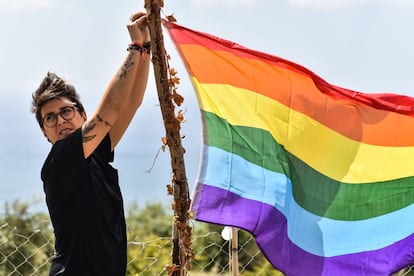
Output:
x=26 y=244
x=26 y=241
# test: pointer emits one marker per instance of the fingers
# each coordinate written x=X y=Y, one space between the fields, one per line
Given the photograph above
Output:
x=142 y=22
x=138 y=26
x=139 y=15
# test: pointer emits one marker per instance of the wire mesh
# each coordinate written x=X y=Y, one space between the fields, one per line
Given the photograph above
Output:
x=29 y=254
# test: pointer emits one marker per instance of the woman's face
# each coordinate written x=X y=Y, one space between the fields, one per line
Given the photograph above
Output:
x=60 y=118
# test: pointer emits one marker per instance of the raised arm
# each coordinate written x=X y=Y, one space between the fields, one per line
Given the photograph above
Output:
x=137 y=93
x=123 y=94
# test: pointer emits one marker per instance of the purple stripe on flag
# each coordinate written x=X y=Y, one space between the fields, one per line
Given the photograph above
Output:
x=268 y=225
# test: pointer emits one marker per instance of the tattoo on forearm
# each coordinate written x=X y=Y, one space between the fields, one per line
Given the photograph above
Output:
x=128 y=64
x=86 y=129
x=100 y=119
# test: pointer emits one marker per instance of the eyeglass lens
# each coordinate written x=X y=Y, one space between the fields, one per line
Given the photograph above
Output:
x=66 y=113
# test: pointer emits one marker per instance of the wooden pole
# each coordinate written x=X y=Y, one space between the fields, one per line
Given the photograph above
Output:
x=181 y=237
x=234 y=252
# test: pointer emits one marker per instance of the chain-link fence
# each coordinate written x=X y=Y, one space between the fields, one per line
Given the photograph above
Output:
x=29 y=254
x=26 y=248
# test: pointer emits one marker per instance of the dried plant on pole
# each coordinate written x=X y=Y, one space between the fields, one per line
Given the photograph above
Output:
x=166 y=81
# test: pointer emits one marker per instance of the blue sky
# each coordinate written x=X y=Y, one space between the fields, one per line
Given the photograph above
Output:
x=364 y=45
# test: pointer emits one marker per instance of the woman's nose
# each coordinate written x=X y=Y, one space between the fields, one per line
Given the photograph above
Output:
x=60 y=120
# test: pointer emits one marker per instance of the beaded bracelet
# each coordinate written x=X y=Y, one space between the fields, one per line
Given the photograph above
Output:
x=147 y=46
x=141 y=48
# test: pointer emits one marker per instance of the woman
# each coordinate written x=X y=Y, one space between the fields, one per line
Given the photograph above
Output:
x=82 y=191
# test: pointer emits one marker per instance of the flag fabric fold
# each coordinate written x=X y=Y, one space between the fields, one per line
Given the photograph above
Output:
x=321 y=176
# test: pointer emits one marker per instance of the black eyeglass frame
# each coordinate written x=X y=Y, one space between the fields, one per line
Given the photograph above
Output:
x=61 y=113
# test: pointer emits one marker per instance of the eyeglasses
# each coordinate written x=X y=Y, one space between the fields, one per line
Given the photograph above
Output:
x=51 y=119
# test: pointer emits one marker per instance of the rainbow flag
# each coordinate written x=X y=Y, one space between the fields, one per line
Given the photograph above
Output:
x=322 y=176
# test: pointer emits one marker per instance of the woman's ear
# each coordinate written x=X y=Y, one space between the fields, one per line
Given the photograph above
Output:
x=84 y=116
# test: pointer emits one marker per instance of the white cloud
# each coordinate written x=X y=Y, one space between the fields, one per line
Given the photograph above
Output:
x=338 y=4
x=24 y=5
x=227 y=3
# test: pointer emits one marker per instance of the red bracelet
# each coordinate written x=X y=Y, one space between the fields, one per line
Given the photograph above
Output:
x=134 y=43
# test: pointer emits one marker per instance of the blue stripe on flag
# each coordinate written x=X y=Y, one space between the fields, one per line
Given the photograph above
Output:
x=231 y=172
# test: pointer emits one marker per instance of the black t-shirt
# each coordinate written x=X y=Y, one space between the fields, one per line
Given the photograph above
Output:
x=86 y=208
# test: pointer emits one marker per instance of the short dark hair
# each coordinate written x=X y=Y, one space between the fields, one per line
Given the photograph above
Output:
x=52 y=87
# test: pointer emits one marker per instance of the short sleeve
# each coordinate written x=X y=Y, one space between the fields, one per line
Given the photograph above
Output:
x=104 y=150
x=65 y=167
